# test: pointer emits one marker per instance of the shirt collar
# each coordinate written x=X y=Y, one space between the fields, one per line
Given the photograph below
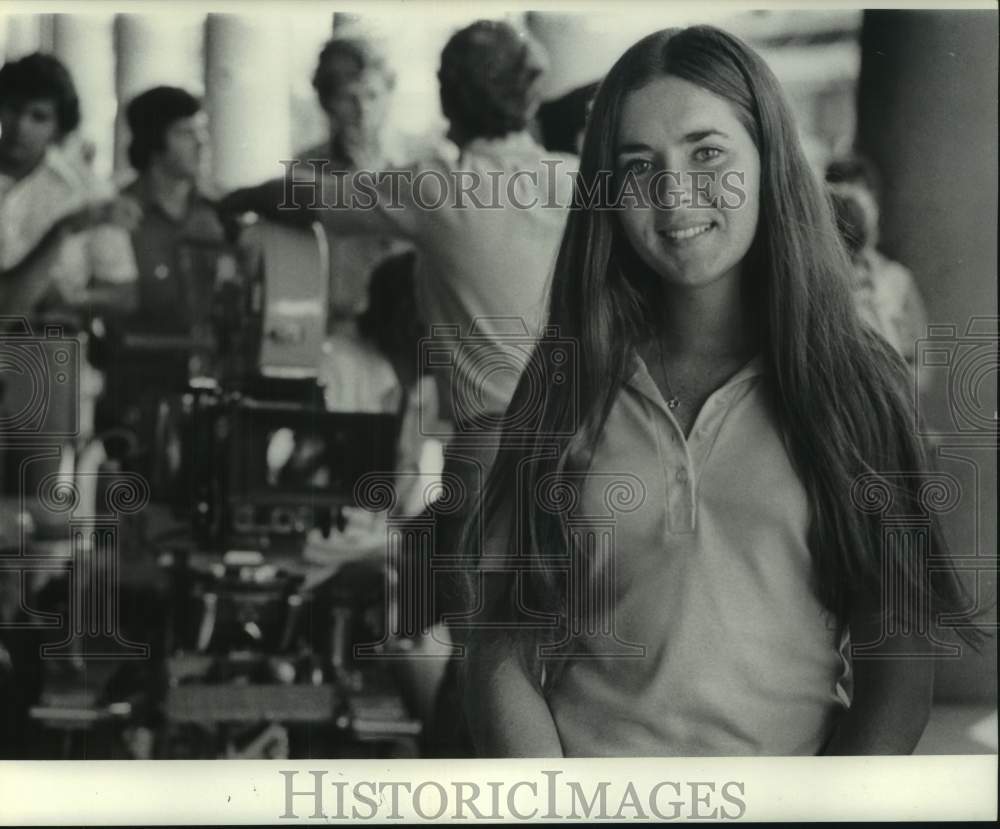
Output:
x=54 y=163
x=642 y=381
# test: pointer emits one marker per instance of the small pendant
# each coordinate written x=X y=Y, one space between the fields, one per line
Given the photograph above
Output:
x=673 y=403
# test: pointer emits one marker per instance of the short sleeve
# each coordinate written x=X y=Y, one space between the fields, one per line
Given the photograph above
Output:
x=112 y=258
x=70 y=270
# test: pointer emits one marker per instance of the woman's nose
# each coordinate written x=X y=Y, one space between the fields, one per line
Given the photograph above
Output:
x=672 y=191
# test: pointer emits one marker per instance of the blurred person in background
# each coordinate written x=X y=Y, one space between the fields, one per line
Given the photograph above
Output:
x=169 y=207
x=57 y=248
x=63 y=257
x=354 y=84
x=885 y=291
x=63 y=261
x=180 y=247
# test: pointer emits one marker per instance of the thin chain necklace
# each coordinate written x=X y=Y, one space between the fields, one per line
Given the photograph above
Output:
x=673 y=401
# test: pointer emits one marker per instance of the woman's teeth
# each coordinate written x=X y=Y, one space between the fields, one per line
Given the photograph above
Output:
x=687 y=233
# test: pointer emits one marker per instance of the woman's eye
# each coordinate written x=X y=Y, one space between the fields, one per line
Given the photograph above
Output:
x=707 y=153
x=637 y=166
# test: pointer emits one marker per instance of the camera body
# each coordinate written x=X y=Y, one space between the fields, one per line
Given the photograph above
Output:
x=260 y=468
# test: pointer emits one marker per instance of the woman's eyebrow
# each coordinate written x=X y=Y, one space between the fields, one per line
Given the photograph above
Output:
x=699 y=135
x=692 y=137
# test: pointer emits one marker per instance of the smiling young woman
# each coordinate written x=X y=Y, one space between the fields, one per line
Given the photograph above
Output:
x=719 y=362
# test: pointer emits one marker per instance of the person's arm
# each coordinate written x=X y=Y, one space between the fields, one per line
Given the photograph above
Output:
x=114 y=298
x=270 y=200
x=892 y=695
x=344 y=206
x=25 y=284
x=505 y=708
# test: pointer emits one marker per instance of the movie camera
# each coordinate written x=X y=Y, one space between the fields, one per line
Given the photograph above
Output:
x=234 y=437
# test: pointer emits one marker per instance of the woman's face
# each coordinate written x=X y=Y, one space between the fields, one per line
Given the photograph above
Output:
x=697 y=174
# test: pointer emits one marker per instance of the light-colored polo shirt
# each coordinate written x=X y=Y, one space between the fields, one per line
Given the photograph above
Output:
x=31 y=205
x=712 y=577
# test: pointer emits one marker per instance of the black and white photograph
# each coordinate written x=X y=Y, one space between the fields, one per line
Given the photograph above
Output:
x=455 y=383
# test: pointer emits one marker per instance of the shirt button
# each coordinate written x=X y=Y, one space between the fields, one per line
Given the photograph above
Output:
x=161 y=272
x=682 y=475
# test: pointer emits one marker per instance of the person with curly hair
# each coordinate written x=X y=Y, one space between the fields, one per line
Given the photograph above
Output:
x=57 y=248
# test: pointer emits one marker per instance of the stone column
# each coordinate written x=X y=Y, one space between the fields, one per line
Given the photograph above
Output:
x=26 y=33
x=248 y=97
x=927 y=118
x=84 y=43
x=155 y=49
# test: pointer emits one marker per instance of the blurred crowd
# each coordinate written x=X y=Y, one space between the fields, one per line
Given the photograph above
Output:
x=149 y=256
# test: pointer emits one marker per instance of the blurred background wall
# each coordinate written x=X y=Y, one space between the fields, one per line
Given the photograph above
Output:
x=927 y=117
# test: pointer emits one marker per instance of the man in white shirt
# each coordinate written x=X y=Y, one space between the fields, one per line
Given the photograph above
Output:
x=58 y=263
x=46 y=202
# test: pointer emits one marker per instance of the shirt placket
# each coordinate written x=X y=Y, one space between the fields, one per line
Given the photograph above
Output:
x=680 y=479
x=678 y=464
x=685 y=456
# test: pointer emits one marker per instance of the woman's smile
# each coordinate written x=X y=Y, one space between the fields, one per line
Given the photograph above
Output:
x=686 y=234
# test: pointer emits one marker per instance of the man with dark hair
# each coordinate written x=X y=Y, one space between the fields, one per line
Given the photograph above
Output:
x=181 y=251
x=40 y=87
x=489 y=98
x=177 y=227
x=46 y=202
x=60 y=262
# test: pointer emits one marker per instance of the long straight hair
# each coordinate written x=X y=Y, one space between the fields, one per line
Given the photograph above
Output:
x=839 y=393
